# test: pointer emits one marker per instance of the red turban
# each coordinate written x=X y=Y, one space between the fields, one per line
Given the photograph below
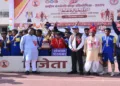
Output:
x=92 y=29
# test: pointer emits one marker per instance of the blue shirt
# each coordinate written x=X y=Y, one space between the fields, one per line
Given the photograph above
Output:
x=108 y=44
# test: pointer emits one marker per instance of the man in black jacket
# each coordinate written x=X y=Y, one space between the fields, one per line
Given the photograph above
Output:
x=76 y=43
x=117 y=43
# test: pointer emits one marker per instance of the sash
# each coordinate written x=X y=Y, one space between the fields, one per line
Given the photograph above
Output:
x=92 y=44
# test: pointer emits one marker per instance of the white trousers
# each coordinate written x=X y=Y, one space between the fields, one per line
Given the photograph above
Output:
x=91 y=66
x=27 y=65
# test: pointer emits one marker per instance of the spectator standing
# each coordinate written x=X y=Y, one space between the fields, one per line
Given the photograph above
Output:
x=5 y=49
x=67 y=36
x=68 y=30
x=15 y=43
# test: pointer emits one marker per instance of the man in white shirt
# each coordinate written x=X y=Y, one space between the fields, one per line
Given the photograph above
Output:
x=86 y=33
x=29 y=47
x=76 y=42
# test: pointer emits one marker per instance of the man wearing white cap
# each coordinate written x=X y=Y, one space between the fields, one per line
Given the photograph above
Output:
x=29 y=47
x=76 y=45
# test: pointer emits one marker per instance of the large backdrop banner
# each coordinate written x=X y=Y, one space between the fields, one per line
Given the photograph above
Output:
x=66 y=11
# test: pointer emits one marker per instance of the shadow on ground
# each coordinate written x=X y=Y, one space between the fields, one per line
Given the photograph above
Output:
x=6 y=78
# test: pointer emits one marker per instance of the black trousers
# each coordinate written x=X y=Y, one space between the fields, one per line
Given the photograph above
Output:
x=77 y=57
x=118 y=57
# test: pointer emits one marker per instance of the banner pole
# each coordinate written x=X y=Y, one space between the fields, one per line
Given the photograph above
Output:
x=11 y=14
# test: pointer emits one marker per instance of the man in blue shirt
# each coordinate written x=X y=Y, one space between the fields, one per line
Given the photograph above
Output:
x=108 y=50
x=67 y=36
x=40 y=41
x=15 y=43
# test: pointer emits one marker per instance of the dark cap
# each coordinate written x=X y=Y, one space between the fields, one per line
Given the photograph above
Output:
x=86 y=29
x=108 y=29
x=58 y=33
x=39 y=30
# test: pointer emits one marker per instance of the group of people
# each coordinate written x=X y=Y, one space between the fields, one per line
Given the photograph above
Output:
x=32 y=43
x=97 y=51
x=10 y=41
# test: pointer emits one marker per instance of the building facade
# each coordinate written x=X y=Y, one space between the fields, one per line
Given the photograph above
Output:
x=4 y=15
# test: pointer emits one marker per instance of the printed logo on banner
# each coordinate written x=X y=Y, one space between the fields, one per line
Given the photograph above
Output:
x=51 y=1
x=114 y=2
x=4 y=63
x=36 y=3
x=73 y=1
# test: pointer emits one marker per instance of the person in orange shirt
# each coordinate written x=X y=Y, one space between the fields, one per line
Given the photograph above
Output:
x=58 y=42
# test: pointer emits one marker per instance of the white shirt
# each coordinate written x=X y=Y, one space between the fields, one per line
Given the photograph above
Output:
x=72 y=43
x=29 y=45
x=84 y=36
x=27 y=42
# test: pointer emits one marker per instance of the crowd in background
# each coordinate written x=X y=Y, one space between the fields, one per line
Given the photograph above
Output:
x=10 y=42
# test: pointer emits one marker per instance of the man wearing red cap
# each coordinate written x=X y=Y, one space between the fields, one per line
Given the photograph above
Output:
x=92 y=50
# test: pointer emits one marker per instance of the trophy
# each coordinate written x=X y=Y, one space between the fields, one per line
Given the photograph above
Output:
x=45 y=45
x=8 y=41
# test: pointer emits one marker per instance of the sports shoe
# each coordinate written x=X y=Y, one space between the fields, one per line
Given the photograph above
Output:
x=27 y=73
x=103 y=73
x=81 y=73
x=73 y=72
x=95 y=74
x=88 y=73
x=112 y=74
x=35 y=72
